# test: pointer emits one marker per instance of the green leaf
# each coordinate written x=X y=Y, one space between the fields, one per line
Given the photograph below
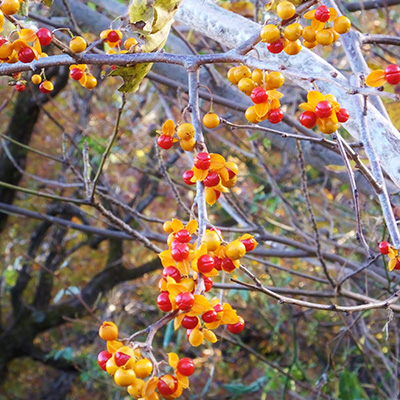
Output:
x=350 y=387
x=153 y=20
x=47 y=3
x=168 y=334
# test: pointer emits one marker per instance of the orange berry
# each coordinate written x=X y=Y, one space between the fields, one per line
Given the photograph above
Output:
x=10 y=7
x=211 y=120
x=275 y=80
x=270 y=33
x=251 y=115
x=188 y=145
x=246 y=85
x=212 y=240
x=143 y=368
x=129 y=43
x=91 y=82
x=167 y=226
x=293 y=48
x=310 y=45
x=111 y=367
x=286 y=10
x=185 y=131
x=108 y=331
x=293 y=32
x=36 y=79
x=325 y=37
x=342 y=25
x=309 y=34
x=135 y=389
x=77 y=44
x=235 y=250
x=124 y=377
x=242 y=72
x=259 y=76
x=231 y=75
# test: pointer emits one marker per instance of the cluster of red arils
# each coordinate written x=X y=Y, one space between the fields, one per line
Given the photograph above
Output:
x=185 y=265
x=216 y=174
x=184 y=133
x=286 y=37
x=137 y=373
x=261 y=87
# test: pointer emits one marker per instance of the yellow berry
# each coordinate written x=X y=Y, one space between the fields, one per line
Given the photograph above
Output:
x=167 y=226
x=328 y=126
x=246 y=85
x=77 y=44
x=108 y=331
x=335 y=34
x=135 y=389
x=143 y=368
x=111 y=367
x=342 y=25
x=293 y=32
x=310 y=45
x=91 y=82
x=231 y=76
x=293 y=48
x=114 y=345
x=242 y=72
x=212 y=240
x=124 y=377
x=251 y=115
x=10 y=7
x=185 y=131
x=129 y=43
x=270 y=33
x=188 y=145
x=275 y=80
x=235 y=250
x=286 y=10
x=325 y=37
x=211 y=120
x=309 y=34
x=6 y=50
x=36 y=79
x=259 y=76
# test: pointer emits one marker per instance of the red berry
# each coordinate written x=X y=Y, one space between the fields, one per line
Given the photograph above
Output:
x=167 y=385
x=183 y=236
x=179 y=251
x=102 y=359
x=212 y=179
x=276 y=47
x=165 y=142
x=217 y=263
x=185 y=367
x=392 y=74
x=209 y=316
x=2 y=40
x=190 y=322
x=113 y=37
x=16 y=75
x=308 y=119
x=121 y=358
x=259 y=95
x=187 y=176
x=20 y=87
x=231 y=173
x=205 y=263
x=202 y=161
x=184 y=301
x=163 y=302
x=384 y=247
x=43 y=89
x=113 y=67
x=249 y=243
x=44 y=36
x=236 y=328
x=208 y=283
x=218 y=308
x=173 y=272
x=275 y=116
x=26 y=55
x=217 y=194
x=323 y=109
x=397 y=266
x=76 y=74
x=322 y=13
x=342 y=115
x=227 y=264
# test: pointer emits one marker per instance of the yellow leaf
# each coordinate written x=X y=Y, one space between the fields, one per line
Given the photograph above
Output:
x=376 y=78
x=183 y=380
x=150 y=386
x=168 y=128
x=217 y=161
x=213 y=325
x=314 y=97
x=210 y=336
x=309 y=14
x=261 y=108
x=333 y=14
x=173 y=360
x=196 y=337
x=176 y=225
x=201 y=304
x=317 y=25
x=200 y=174
x=178 y=321
x=232 y=166
x=392 y=263
x=192 y=226
x=230 y=317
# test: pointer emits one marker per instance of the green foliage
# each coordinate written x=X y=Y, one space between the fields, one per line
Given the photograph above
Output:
x=350 y=387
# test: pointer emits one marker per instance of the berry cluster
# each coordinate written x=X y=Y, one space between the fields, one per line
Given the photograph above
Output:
x=130 y=369
x=185 y=135
x=9 y=7
x=261 y=87
x=286 y=37
x=391 y=74
x=215 y=172
x=323 y=111
x=386 y=248
x=183 y=263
